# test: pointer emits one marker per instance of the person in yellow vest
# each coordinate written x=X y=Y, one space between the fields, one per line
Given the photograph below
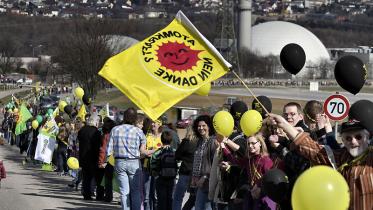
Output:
x=153 y=142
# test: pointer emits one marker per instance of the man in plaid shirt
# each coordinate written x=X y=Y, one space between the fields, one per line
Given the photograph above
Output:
x=127 y=144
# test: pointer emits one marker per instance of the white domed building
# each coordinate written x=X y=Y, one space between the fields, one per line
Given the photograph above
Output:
x=269 y=38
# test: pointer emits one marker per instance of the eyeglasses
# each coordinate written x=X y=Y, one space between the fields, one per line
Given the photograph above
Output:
x=292 y=114
x=358 y=137
x=252 y=143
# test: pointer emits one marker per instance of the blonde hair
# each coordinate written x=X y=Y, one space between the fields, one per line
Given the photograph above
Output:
x=263 y=146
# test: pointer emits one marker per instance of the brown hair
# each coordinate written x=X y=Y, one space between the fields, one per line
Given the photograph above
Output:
x=130 y=116
x=311 y=109
x=166 y=138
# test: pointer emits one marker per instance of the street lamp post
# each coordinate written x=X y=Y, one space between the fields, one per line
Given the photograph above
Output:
x=33 y=49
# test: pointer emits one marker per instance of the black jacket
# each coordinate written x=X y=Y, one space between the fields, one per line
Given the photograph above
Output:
x=89 y=146
x=185 y=154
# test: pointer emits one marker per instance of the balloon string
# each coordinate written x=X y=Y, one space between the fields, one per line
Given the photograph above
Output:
x=244 y=84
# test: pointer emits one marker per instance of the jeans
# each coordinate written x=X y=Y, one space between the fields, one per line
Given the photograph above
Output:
x=150 y=198
x=7 y=136
x=88 y=173
x=129 y=177
x=164 y=189
x=180 y=189
x=61 y=158
x=109 y=170
x=202 y=200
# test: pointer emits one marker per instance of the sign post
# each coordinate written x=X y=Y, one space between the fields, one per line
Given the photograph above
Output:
x=336 y=107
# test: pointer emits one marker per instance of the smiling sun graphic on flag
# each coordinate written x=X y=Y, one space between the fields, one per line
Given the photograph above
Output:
x=177 y=56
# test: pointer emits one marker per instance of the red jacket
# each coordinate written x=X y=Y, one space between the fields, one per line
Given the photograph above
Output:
x=102 y=153
x=2 y=171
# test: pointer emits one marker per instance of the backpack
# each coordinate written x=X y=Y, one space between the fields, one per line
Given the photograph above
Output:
x=5 y=125
x=168 y=164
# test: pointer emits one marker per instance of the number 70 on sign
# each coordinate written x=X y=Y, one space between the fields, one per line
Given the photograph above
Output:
x=336 y=107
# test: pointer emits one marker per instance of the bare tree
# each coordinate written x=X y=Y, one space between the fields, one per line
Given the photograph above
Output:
x=40 y=68
x=83 y=51
x=8 y=49
x=326 y=69
x=255 y=65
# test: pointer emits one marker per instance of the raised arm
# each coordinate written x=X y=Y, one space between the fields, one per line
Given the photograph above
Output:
x=302 y=142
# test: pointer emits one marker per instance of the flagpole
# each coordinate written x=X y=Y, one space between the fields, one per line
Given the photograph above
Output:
x=244 y=84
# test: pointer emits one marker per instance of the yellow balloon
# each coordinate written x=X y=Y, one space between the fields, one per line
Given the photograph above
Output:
x=73 y=163
x=61 y=105
x=321 y=188
x=223 y=123
x=111 y=160
x=79 y=92
x=204 y=90
x=251 y=122
x=35 y=124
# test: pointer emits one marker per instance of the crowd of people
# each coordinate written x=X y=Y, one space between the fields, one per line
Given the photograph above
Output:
x=155 y=170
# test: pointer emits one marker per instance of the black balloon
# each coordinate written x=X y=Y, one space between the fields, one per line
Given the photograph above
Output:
x=86 y=99
x=265 y=101
x=292 y=58
x=68 y=109
x=350 y=73
x=362 y=111
x=275 y=184
x=237 y=109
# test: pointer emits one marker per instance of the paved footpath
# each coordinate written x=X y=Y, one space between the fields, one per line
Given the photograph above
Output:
x=27 y=187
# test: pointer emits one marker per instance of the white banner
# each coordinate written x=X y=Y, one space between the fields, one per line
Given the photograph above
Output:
x=45 y=148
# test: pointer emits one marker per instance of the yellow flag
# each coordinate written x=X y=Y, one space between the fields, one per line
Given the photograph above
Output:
x=56 y=112
x=166 y=67
x=37 y=87
x=82 y=112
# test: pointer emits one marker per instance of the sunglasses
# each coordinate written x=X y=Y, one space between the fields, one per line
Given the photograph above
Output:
x=358 y=137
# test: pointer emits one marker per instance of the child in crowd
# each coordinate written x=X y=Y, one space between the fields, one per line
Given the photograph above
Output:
x=163 y=166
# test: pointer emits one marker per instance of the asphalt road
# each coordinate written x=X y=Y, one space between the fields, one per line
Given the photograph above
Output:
x=5 y=93
x=27 y=187
x=291 y=94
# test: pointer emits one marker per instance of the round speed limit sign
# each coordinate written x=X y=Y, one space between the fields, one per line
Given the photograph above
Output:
x=336 y=107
